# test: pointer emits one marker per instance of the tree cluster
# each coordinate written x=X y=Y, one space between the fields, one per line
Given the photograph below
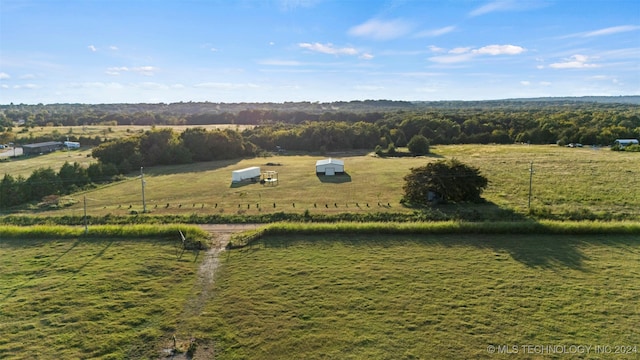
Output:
x=45 y=181
x=444 y=181
x=166 y=147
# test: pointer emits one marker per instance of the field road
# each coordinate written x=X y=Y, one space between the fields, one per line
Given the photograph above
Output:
x=203 y=288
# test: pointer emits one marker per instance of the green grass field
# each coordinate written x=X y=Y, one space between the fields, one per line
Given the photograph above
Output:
x=424 y=297
x=568 y=183
x=81 y=299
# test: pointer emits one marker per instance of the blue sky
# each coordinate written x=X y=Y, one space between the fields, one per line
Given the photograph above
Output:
x=130 y=51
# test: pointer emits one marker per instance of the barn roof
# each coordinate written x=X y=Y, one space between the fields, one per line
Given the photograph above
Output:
x=42 y=144
x=329 y=162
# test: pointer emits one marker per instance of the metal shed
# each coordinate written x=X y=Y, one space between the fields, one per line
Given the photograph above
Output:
x=329 y=167
x=250 y=173
x=43 y=147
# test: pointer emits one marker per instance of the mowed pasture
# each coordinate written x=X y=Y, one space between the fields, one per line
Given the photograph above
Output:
x=424 y=297
x=82 y=298
x=576 y=183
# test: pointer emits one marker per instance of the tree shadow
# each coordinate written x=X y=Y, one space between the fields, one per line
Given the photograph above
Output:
x=532 y=250
x=193 y=167
x=484 y=211
x=335 y=179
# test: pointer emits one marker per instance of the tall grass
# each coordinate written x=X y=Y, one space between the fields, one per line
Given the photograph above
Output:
x=443 y=227
x=101 y=231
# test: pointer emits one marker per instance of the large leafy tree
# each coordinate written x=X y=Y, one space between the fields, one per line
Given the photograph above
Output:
x=418 y=145
x=447 y=180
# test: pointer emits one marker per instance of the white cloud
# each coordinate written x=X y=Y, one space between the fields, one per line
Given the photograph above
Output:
x=545 y=83
x=113 y=48
x=451 y=59
x=612 y=30
x=436 y=32
x=461 y=54
x=4 y=75
x=500 y=50
x=500 y=5
x=27 y=86
x=460 y=50
x=507 y=5
x=92 y=48
x=328 y=49
x=366 y=56
x=27 y=76
x=525 y=83
x=574 y=62
x=380 y=29
x=143 y=70
x=436 y=49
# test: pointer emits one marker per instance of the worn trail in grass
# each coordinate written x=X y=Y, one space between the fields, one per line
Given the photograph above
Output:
x=440 y=296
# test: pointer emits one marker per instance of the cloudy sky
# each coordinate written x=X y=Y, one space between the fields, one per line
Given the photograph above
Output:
x=130 y=51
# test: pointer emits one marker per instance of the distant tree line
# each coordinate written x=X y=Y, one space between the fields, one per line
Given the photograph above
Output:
x=535 y=122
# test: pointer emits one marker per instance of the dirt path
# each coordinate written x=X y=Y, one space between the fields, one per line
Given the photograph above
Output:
x=221 y=233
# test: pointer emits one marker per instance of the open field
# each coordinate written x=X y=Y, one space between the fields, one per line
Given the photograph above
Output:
x=25 y=165
x=83 y=298
x=424 y=297
x=329 y=295
x=574 y=183
x=111 y=131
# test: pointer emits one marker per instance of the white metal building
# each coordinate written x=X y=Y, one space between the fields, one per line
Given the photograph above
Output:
x=625 y=142
x=329 y=167
x=252 y=173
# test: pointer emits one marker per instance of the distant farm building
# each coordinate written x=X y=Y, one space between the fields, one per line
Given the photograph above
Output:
x=625 y=142
x=40 y=148
x=329 y=167
x=250 y=173
x=72 y=145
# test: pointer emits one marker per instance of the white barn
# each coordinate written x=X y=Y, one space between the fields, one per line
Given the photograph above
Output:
x=329 y=167
x=252 y=173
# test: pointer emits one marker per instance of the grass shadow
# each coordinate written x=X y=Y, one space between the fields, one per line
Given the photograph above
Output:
x=335 y=179
x=534 y=251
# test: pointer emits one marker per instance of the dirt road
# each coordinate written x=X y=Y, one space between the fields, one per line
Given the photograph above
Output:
x=221 y=233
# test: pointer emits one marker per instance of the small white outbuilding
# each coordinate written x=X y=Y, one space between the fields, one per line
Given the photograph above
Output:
x=250 y=173
x=329 y=167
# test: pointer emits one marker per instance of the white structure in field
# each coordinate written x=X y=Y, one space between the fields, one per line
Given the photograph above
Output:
x=72 y=144
x=329 y=167
x=626 y=142
x=250 y=173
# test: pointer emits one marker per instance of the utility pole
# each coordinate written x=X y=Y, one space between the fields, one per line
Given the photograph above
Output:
x=144 y=204
x=530 y=182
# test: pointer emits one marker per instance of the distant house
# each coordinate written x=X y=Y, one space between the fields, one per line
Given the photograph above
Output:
x=40 y=148
x=329 y=167
x=625 y=142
